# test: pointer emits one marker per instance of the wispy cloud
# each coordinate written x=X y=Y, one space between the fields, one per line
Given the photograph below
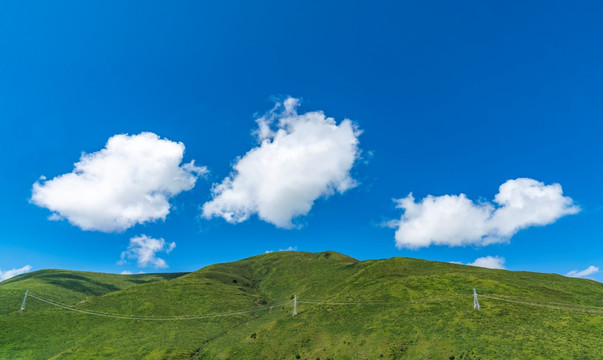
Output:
x=126 y=272
x=143 y=249
x=588 y=271
x=455 y=220
x=300 y=158
x=128 y=182
x=290 y=248
x=4 y=275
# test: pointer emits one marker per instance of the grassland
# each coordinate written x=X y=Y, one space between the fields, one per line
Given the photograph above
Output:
x=399 y=308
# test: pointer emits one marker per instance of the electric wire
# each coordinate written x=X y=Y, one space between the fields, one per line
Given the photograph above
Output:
x=570 y=307
x=144 y=318
x=557 y=306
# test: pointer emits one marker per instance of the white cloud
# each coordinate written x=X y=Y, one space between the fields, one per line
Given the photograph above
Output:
x=4 y=275
x=290 y=248
x=455 y=220
x=128 y=182
x=588 y=271
x=490 y=262
x=299 y=159
x=171 y=247
x=143 y=249
x=125 y=272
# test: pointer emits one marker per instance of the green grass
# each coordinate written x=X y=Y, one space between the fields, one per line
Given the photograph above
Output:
x=398 y=308
x=69 y=286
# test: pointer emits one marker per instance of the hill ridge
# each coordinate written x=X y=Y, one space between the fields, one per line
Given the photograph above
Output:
x=390 y=308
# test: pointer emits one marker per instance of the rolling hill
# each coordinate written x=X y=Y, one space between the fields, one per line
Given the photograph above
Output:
x=398 y=308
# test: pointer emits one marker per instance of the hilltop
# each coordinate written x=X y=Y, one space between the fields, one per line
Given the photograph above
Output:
x=398 y=308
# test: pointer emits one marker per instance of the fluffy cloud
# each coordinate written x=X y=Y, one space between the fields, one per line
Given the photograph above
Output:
x=455 y=220
x=299 y=159
x=128 y=182
x=13 y=272
x=490 y=262
x=143 y=249
x=588 y=271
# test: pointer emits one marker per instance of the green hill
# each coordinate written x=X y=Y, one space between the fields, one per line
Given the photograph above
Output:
x=399 y=308
x=65 y=285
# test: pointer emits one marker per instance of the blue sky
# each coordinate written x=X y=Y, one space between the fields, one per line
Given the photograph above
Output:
x=446 y=99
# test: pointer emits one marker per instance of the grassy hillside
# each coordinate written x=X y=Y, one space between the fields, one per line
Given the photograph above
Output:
x=398 y=308
x=69 y=286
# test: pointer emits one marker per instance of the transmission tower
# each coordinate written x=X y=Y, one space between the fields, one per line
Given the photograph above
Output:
x=24 y=299
x=295 y=305
x=475 y=301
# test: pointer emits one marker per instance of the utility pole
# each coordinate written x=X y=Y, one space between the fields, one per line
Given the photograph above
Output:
x=475 y=301
x=295 y=305
x=24 y=299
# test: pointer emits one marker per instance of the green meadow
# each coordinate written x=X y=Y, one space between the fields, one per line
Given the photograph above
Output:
x=398 y=308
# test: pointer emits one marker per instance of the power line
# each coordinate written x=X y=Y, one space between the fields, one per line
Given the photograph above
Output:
x=536 y=301
x=333 y=303
x=569 y=307
x=175 y=318
x=558 y=306
x=349 y=302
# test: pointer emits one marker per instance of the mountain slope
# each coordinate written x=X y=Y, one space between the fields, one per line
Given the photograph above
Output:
x=65 y=285
x=394 y=308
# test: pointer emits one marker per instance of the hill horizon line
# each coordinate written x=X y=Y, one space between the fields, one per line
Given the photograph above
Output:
x=25 y=275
